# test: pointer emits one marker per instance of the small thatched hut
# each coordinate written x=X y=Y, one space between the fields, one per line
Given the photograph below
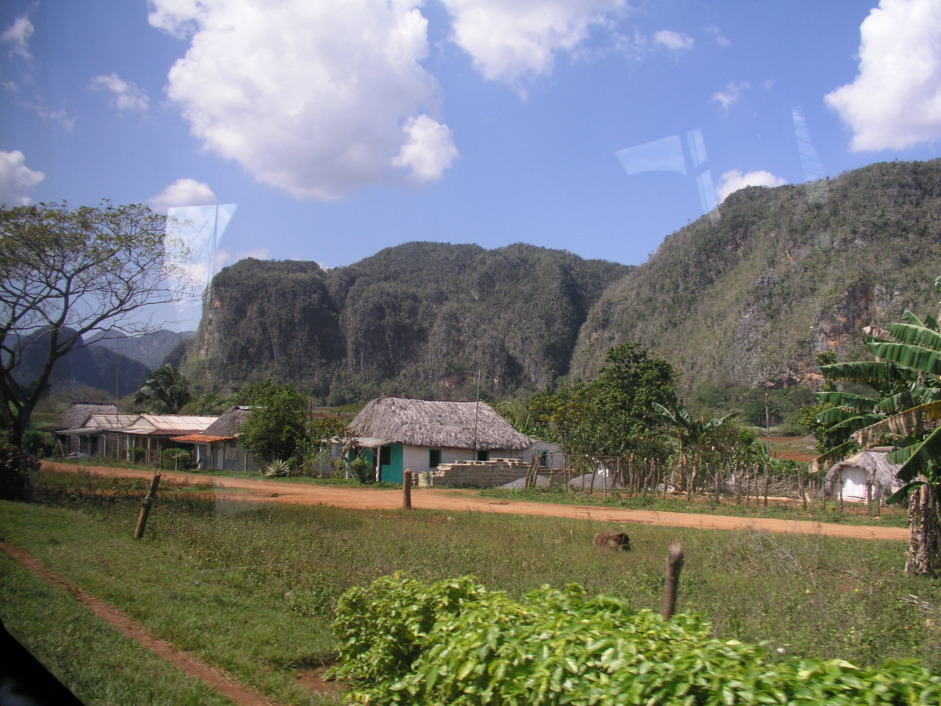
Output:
x=853 y=477
x=421 y=434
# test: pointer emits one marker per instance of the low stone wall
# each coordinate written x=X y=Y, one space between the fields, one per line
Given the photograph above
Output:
x=474 y=474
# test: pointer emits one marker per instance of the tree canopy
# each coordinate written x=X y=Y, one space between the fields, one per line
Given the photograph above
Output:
x=614 y=414
x=66 y=272
x=166 y=391
x=278 y=424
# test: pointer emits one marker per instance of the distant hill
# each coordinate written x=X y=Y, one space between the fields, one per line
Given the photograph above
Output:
x=420 y=318
x=748 y=294
x=85 y=367
x=151 y=349
x=752 y=292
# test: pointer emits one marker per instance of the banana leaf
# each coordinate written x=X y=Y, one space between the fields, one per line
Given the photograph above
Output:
x=865 y=372
x=834 y=455
x=921 y=461
x=917 y=335
x=909 y=356
x=907 y=423
x=846 y=399
x=902 y=493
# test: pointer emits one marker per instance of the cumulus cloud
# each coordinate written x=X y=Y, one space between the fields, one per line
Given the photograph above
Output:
x=731 y=94
x=316 y=98
x=16 y=37
x=508 y=41
x=182 y=192
x=674 y=41
x=429 y=150
x=734 y=180
x=895 y=100
x=16 y=179
x=125 y=96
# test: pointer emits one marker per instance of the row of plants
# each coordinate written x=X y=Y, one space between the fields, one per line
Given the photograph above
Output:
x=455 y=642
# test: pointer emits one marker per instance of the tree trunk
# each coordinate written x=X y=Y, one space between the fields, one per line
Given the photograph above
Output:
x=924 y=542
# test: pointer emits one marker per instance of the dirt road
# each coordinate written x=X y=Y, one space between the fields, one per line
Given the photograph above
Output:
x=469 y=501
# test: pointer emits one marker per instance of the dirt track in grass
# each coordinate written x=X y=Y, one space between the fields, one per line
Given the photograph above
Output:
x=470 y=501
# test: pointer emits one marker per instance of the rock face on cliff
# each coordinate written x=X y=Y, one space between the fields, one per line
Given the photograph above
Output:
x=753 y=291
x=749 y=294
x=419 y=318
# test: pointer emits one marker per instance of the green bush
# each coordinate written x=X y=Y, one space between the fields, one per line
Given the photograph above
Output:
x=455 y=642
x=16 y=473
x=175 y=458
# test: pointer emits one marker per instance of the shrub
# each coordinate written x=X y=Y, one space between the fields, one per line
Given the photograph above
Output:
x=361 y=468
x=176 y=458
x=455 y=642
x=16 y=473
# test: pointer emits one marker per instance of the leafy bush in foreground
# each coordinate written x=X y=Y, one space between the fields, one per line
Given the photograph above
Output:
x=17 y=468
x=454 y=642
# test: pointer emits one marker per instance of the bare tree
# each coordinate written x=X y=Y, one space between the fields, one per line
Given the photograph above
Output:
x=65 y=273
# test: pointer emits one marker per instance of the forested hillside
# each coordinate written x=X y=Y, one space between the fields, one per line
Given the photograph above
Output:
x=419 y=318
x=752 y=292
x=748 y=294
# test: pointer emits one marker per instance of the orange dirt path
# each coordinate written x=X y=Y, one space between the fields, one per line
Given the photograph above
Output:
x=469 y=501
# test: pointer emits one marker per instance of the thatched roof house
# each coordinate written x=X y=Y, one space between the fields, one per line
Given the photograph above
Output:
x=852 y=478
x=72 y=418
x=217 y=445
x=420 y=434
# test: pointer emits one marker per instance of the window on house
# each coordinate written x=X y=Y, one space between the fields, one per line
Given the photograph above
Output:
x=434 y=458
x=385 y=456
x=483 y=455
x=544 y=458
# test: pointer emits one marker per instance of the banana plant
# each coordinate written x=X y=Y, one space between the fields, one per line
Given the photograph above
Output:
x=904 y=412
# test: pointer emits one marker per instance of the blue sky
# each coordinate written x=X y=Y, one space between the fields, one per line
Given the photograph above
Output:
x=341 y=127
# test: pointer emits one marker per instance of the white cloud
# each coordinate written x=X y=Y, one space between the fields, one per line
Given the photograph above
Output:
x=125 y=96
x=733 y=91
x=720 y=40
x=316 y=98
x=16 y=179
x=895 y=100
x=429 y=150
x=182 y=192
x=512 y=40
x=16 y=37
x=674 y=41
x=734 y=180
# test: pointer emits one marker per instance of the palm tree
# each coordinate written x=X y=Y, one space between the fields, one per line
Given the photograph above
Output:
x=693 y=437
x=165 y=391
x=905 y=411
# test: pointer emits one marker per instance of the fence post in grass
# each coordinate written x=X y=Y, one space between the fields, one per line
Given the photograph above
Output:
x=674 y=566
x=407 y=489
x=145 y=507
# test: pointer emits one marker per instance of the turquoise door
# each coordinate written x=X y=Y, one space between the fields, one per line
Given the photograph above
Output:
x=390 y=463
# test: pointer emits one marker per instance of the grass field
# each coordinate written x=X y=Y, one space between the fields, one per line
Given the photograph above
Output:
x=250 y=589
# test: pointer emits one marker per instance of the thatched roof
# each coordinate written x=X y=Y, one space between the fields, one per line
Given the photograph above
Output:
x=228 y=423
x=446 y=424
x=874 y=463
x=77 y=413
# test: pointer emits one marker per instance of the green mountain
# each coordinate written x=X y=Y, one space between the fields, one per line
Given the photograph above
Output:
x=752 y=292
x=748 y=294
x=419 y=318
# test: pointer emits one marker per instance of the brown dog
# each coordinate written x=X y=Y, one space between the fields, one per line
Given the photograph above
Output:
x=612 y=540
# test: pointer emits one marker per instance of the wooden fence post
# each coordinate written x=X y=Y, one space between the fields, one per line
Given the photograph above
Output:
x=145 y=507
x=674 y=566
x=407 y=489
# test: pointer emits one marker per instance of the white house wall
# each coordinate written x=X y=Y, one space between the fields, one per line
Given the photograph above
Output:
x=415 y=458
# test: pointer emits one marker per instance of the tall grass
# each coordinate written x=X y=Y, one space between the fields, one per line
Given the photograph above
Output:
x=251 y=588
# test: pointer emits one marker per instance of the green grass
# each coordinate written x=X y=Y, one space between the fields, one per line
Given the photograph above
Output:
x=250 y=588
x=93 y=659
